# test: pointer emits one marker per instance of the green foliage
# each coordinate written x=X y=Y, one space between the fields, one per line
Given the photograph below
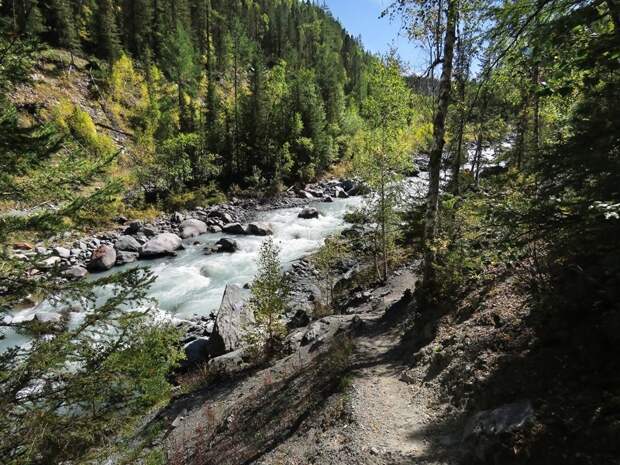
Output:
x=271 y=87
x=64 y=395
x=78 y=123
x=269 y=294
x=82 y=384
x=383 y=153
x=180 y=163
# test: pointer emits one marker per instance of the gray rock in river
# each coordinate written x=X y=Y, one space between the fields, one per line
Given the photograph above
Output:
x=308 y=212
x=234 y=228
x=232 y=322
x=192 y=228
x=260 y=229
x=223 y=245
x=103 y=258
x=227 y=245
x=123 y=258
x=161 y=245
x=127 y=244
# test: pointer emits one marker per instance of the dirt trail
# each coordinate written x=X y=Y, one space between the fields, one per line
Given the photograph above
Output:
x=378 y=418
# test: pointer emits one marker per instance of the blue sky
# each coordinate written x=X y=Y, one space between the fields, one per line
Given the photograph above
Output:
x=361 y=17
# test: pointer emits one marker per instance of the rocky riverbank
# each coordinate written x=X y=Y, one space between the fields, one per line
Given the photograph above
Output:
x=133 y=240
x=62 y=258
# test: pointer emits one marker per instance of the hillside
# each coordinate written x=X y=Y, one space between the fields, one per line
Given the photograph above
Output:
x=255 y=94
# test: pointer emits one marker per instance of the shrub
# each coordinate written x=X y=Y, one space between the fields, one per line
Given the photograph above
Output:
x=75 y=121
x=269 y=294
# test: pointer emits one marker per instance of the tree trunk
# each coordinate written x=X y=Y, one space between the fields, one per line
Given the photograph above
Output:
x=384 y=228
x=478 y=157
x=521 y=141
x=439 y=129
x=458 y=159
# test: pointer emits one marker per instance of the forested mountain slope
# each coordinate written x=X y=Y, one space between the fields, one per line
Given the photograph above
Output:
x=251 y=93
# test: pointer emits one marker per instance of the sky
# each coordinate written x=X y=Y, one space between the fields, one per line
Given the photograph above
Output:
x=361 y=17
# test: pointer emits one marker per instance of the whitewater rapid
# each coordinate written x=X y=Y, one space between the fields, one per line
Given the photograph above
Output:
x=192 y=283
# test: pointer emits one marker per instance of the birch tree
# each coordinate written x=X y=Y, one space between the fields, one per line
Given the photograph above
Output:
x=384 y=157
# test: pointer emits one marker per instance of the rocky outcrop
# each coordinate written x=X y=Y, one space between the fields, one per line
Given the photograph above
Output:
x=161 y=245
x=103 y=258
x=233 y=320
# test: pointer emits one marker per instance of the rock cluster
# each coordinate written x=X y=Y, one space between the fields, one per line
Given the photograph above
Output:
x=132 y=240
x=328 y=190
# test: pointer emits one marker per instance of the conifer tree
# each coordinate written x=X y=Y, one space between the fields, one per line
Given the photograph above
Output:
x=105 y=31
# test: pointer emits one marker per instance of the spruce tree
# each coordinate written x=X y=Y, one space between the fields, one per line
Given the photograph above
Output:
x=105 y=31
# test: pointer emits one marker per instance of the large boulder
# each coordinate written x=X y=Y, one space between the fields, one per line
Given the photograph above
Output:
x=127 y=244
x=230 y=363
x=192 y=228
x=486 y=435
x=161 y=245
x=260 y=229
x=103 y=258
x=308 y=212
x=234 y=228
x=233 y=320
x=196 y=352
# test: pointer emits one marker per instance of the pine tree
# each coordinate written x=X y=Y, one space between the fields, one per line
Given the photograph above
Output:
x=105 y=31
